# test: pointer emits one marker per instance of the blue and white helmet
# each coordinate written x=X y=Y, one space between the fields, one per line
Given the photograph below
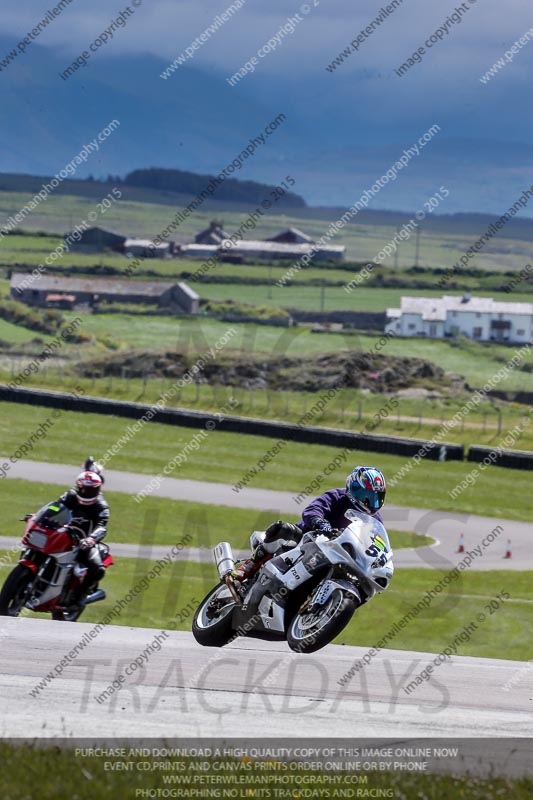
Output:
x=366 y=488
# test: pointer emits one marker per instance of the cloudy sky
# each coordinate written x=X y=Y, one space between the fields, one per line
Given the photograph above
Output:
x=364 y=101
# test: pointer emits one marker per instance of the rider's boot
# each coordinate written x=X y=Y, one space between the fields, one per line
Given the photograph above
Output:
x=249 y=567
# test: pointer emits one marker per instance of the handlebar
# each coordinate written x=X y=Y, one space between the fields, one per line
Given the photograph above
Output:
x=77 y=528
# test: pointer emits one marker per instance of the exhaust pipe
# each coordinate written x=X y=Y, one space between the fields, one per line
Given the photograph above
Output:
x=225 y=563
x=94 y=597
x=224 y=559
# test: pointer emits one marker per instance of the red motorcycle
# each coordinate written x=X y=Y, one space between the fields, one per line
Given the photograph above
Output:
x=48 y=572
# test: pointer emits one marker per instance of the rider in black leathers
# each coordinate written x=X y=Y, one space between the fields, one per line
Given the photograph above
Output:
x=90 y=511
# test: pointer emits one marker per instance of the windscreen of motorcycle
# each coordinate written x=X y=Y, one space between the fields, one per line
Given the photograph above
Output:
x=370 y=534
x=53 y=516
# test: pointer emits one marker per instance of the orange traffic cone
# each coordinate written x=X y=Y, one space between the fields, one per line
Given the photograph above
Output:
x=461 y=547
x=508 y=552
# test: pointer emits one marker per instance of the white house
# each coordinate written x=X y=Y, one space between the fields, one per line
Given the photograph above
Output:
x=480 y=318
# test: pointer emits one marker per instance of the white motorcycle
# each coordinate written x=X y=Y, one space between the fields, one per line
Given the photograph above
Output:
x=306 y=595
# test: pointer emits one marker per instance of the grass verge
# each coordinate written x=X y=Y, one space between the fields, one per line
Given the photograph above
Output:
x=163 y=521
x=158 y=521
x=229 y=458
x=170 y=601
x=350 y=409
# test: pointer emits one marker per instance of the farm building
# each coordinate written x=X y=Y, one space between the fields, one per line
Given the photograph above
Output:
x=480 y=318
x=147 y=249
x=63 y=301
x=199 y=250
x=214 y=234
x=95 y=240
x=291 y=236
x=273 y=251
x=37 y=291
x=290 y=244
x=245 y=250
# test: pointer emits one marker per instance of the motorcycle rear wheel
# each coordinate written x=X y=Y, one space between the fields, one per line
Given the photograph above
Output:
x=308 y=633
x=210 y=628
x=13 y=594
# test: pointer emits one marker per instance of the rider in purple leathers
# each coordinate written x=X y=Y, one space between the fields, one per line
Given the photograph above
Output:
x=365 y=491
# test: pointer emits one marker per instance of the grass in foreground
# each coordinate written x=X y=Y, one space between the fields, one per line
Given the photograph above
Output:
x=61 y=774
x=170 y=602
x=228 y=457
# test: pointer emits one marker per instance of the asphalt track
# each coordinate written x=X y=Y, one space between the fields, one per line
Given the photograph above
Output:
x=252 y=687
x=248 y=688
x=444 y=527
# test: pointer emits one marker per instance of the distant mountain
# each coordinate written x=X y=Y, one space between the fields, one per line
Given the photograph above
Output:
x=236 y=191
x=194 y=122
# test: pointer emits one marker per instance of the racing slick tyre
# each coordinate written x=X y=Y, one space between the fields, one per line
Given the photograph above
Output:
x=309 y=632
x=212 y=623
x=14 y=591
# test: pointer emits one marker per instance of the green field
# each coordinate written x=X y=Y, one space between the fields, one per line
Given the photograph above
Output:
x=441 y=243
x=160 y=521
x=31 y=251
x=477 y=362
x=170 y=602
x=350 y=409
x=16 y=334
x=227 y=458
x=123 y=334
x=314 y=298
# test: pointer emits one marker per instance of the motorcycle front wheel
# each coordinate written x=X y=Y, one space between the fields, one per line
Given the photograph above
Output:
x=14 y=591
x=75 y=613
x=212 y=623
x=310 y=632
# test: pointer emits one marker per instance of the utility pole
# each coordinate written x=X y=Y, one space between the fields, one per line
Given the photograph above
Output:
x=417 y=250
x=396 y=252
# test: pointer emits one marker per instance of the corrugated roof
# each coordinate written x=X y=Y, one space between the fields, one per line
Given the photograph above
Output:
x=200 y=248
x=58 y=283
x=294 y=232
x=280 y=247
x=144 y=243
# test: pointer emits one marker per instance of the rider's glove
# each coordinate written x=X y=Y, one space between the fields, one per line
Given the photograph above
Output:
x=86 y=544
x=321 y=525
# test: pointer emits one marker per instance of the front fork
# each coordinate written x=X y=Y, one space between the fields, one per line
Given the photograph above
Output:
x=325 y=589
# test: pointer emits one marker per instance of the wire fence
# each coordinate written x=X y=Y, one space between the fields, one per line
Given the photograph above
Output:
x=353 y=408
